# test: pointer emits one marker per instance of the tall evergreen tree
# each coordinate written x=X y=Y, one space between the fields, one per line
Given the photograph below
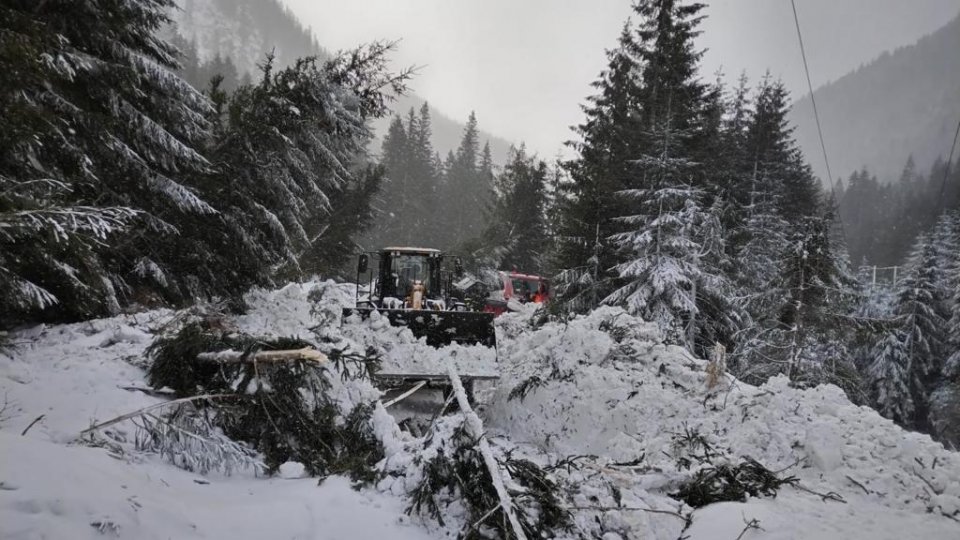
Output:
x=913 y=349
x=890 y=379
x=792 y=274
x=424 y=180
x=587 y=203
x=663 y=275
x=671 y=254
x=466 y=193
x=517 y=236
x=393 y=200
x=486 y=164
x=97 y=129
x=945 y=398
x=291 y=169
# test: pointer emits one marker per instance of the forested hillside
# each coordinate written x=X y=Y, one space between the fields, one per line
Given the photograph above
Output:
x=883 y=220
x=121 y=185
x=903 y=103
x=233 y=37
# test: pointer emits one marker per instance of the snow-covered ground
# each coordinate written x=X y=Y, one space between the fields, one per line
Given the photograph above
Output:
x=607 y=390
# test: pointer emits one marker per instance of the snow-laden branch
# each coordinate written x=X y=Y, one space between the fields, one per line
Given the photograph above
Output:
x=95 y=221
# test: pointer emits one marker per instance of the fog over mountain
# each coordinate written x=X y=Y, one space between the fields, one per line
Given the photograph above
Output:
x=905 y=102
x=245 y=31
x=914 y=85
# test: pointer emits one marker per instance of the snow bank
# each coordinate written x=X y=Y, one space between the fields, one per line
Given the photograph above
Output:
x=605 y=385
x=74 y=375
x=56 y=491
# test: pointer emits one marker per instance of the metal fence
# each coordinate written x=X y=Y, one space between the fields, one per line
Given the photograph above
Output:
x=885 y=275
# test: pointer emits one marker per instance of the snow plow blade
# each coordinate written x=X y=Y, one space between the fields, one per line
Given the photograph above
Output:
x=439 y=327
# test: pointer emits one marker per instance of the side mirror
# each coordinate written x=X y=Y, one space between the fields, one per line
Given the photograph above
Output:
x=363 y=263
x=458 y=267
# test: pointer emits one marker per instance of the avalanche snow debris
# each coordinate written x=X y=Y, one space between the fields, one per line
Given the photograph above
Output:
x=619 y=420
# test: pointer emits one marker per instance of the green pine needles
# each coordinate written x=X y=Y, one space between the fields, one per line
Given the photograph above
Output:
x=285 y=410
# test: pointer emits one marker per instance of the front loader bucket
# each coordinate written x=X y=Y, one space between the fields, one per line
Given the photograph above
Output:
x=439 y=327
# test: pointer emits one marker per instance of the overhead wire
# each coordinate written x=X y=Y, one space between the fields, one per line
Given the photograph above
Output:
x=813 y=99
x=946 y=172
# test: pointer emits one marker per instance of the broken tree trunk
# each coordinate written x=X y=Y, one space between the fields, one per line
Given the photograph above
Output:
x=475 y=429
x=240 y=357
x=144 y=410
x=405 y=395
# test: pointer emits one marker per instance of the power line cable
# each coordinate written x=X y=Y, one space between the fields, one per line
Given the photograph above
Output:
x=946 y=172
x=816 y=116
x=813 y=99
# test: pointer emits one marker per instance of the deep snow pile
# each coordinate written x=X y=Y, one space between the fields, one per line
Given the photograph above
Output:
x=605 y=385
x=620 y=420
x=54 y=486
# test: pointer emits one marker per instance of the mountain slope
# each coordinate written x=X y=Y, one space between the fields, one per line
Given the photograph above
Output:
x=905 y=102
x=247 y=30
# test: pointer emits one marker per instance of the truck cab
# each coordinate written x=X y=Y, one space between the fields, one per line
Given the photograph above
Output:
x=512 y=286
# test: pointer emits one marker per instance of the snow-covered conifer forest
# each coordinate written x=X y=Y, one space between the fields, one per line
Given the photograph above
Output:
x=717 y=343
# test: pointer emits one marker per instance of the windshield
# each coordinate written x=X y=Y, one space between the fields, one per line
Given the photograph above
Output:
x=525 y=288
x=406 y=268
x=410 y=268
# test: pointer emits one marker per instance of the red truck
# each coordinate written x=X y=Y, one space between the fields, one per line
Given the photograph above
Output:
x=517 y=287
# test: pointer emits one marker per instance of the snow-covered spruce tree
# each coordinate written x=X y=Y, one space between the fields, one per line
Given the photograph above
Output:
x=665 y=272
x=47 y=248
x=791 y=275
x=671 y=253
x=94 y=121
x=913 y=351
x=945 y=399
x=756 y=236
x=395 y=156
x=890 y=380
x=426 y=175
x=289 y=164
x=952 y=366
x=803 y=327
x=946 y=239
x=408 y=210
x=516 y=236
x=466 y=193
x=815 y=313
x=587 y=204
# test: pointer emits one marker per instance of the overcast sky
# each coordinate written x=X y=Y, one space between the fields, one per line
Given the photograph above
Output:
x=525 y=66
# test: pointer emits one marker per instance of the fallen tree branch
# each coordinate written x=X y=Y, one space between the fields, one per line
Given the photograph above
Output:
x=405 y=395
x=678 y=515
x=140 y=412
x=475 y=428
x=147 y=390
x=828 y=496
x=859 y=485
x=754 y=523
x=481 y=520
x=35 y=420
x=240 y=357
x=927 y=482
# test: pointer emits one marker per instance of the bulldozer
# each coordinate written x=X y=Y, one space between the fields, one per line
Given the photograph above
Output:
x=414 y=287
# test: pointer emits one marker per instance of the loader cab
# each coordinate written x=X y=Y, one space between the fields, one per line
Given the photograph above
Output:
x=411 y=287
x=402 y=267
